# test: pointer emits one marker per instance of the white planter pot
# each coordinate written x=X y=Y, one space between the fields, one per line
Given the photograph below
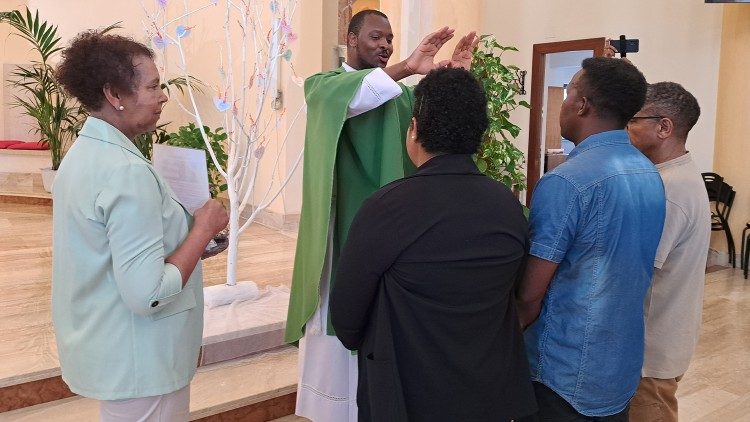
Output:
x=48 y=178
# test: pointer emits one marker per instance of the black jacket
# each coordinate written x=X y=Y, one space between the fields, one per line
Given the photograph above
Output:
x=424 y=293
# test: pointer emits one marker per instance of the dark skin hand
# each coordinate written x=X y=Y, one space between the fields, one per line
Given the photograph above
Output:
x=462 y=54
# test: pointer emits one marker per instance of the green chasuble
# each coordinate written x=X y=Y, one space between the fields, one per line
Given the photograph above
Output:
x=346 y=158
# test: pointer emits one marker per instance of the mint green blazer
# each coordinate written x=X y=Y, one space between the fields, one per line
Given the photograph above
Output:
x=125 y=327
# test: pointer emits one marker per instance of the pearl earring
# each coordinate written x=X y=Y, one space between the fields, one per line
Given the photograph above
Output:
x=121 y=108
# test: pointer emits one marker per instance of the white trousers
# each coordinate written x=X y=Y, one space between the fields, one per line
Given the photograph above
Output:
x=172 y=407
x=327 y=385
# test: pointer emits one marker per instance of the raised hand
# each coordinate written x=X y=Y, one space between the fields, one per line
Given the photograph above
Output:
x=609 y=51
x=422 y=59
x=464 y=49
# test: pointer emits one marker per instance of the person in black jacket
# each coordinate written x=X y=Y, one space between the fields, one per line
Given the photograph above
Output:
x=423 y=290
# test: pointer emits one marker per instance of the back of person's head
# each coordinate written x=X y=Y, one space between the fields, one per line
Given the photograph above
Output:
x=359 y=18
x=671 y=100
x=93 y=60
x=451 y=112
x=615 y=88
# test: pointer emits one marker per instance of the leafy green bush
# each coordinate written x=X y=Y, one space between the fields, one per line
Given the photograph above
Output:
x=498 y=158
x=189 y=136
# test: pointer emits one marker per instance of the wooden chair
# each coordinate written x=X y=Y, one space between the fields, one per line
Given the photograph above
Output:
x=721 y=195
x=745 y=250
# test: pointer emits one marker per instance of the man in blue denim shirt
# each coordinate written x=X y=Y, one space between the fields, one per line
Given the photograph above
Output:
x=595 y=224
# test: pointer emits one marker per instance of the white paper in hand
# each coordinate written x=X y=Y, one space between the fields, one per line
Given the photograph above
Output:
x=185 y=171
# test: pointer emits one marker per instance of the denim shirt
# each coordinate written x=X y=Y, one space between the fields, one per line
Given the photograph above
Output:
x=599 y=216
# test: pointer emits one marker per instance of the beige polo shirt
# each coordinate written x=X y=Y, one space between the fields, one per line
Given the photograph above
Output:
x=674 y=303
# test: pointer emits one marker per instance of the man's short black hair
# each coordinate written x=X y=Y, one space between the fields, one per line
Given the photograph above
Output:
x=359 y=18
x=615 y=88
x=451 y=111
x=670 y=99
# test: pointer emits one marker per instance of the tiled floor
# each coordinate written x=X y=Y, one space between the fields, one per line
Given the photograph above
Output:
x=717 y=384
x=715 y=388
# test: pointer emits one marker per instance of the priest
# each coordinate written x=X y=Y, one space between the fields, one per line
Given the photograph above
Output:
x=357 y=119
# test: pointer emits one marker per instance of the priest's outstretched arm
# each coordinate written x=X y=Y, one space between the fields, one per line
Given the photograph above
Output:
x=380 y=86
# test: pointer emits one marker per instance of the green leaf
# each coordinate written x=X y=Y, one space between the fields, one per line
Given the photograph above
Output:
x=498 y=158
x=482 y=165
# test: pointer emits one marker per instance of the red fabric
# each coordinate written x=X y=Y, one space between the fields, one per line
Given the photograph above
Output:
x=6 y=144
x=30 y=146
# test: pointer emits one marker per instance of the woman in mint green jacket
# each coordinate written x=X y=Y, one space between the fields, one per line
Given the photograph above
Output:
x=127 y=288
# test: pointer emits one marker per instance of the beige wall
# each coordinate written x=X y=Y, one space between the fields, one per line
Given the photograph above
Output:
x=312 y=52
x=732 y=155
x=360 y=5
x=13 y=51
x=309 y=56
x=680 y=41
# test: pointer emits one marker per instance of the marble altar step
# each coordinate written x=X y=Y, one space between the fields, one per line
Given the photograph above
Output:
x=233 y=331
x=23 y=188
x=291 y=418
x=261 y=387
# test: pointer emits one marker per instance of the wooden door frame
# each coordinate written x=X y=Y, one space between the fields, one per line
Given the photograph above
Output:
x=538 y=62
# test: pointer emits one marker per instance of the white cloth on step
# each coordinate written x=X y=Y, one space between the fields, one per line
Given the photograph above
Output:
x=222 y=294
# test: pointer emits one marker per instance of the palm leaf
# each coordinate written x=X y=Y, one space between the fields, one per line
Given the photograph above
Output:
x=112 y=27
x=42 y=35
x=181 y=82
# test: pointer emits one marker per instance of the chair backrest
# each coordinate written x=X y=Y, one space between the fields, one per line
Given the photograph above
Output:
x=724 y=201
x=714 y=184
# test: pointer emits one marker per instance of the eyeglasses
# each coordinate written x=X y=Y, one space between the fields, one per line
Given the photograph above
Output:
x=645 y=117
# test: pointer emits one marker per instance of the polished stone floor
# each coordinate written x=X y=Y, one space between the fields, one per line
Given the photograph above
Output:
x=715 y=388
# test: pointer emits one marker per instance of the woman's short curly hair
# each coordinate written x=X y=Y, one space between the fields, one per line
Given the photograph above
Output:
x=93 y=60
x=451 y=112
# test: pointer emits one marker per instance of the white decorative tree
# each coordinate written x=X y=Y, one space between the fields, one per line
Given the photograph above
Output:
x=256 y=43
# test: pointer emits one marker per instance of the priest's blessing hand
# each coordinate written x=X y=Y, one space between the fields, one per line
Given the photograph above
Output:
x=422 y=60
x=462 y=55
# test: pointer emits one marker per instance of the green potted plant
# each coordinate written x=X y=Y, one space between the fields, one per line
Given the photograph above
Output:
x=498 y=158
x=145 y=142
x=58 y=116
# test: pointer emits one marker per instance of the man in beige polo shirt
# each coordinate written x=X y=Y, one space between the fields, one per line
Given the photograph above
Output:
x=674 y=303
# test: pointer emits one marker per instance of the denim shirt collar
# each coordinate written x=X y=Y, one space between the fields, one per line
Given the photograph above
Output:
x=610 y=137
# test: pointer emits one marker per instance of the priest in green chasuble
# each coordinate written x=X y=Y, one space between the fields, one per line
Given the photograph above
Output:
x=357 y=117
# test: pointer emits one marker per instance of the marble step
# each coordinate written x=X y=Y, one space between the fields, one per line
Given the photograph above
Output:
x=230 y=332
x=256 y=388
x=291 y=418
x=22 y=188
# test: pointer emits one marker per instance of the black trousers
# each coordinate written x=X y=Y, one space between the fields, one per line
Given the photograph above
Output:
x=553 y=408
